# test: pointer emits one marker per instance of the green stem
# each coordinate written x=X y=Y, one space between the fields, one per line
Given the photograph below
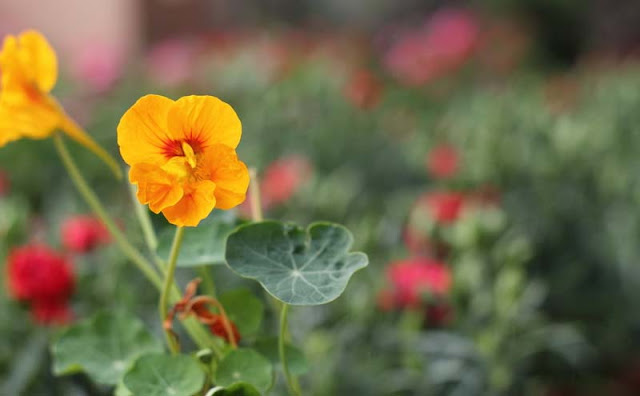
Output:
x=207 y=280
x=145 y=221
x=168 y=283
x=94 y=203
x=293 y=386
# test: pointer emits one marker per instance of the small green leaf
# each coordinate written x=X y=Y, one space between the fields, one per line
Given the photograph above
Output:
x=103 y=346
x=239 y=389
x=202 y=245
x=296 y=267
x=244 y=309
x=296 y=361
x=245 y=365
x=164 y=375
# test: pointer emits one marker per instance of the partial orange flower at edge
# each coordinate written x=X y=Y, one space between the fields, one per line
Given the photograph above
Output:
x=29 y=70
x=182 y=156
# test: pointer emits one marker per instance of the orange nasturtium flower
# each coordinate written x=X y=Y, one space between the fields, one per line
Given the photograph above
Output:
x=182 y=156
x=29 y=70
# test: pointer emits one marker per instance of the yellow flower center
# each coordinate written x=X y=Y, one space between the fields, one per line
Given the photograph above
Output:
x=189 y=155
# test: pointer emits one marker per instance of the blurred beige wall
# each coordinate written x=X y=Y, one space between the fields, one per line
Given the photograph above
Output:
x=72 y=25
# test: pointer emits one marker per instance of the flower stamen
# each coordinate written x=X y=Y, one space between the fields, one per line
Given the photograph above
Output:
x=189 y=155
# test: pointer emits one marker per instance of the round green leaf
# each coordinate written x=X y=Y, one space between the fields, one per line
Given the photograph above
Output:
x=245 y=365
x=239 y=389
x=296 y=361
x=202 y=245
x=103 y=346
x=164 y=375
x=296 y=267
x=244 y=309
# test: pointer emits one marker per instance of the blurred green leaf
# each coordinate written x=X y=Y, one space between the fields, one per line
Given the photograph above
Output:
x=245 y=365
x=244 y=309
x=164 y=375
x=202 y=245
x=296 y=266
x=296 y=360
x=103 y=346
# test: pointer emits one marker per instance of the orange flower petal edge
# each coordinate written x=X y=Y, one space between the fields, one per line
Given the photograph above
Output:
x=182 y=156
x=27 y=110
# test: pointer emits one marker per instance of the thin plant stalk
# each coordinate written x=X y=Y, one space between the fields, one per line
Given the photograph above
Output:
x=294 y=388
x=94 y=203
x=168 y=283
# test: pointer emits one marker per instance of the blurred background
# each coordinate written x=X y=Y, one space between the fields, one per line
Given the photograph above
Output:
x=486 y=156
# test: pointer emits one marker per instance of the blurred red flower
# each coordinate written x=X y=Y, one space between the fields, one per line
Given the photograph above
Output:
x=37 y=273
x=444 y=207
x=82 y=233
x=51 y=312
x=413 y=278
x=363 y=89
x=443 y=161
x=441 y=46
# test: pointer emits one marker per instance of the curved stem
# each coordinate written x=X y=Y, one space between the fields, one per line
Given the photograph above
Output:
x=71 y=128
x=96 y=206
x=293 y=387
x=168 y=283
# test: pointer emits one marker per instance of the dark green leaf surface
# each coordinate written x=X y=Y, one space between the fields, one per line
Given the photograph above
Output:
x=296 y=266
x=164 y=375
x=245 y=365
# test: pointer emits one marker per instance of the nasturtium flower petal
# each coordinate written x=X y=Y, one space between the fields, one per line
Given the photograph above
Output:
x=184 y=148
x=38 y=60
x=143 y=133
x=194 y=206
x=230 y=174
x=156 y=187
x=205 y=120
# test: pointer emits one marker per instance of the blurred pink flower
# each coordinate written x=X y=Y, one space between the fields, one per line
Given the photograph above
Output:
x=82 y=233
x=429 y=52
x=414 y=278
x=171 y=62
x=443 y=161
x=99 y=66
x=280 y=181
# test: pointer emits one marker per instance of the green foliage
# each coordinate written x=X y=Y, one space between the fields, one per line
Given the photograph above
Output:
x=103 y=346
x=295 y=266
x=244 y=309
x=202 y=245
x=268 y=347
x=164 y=375
x=245 y=365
